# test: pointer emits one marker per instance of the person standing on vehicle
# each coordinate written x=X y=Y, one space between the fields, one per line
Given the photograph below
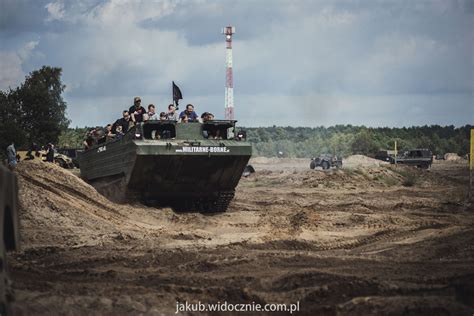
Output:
x=11 y=156
x=137 y=111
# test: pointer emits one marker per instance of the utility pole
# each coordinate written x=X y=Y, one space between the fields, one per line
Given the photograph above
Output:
x=396 y=152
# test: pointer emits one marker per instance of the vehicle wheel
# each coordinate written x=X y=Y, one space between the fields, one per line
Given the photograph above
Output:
x=221 y=203
x=325 y=165
x=248 y=171
x=59 y=163
x=312 y=165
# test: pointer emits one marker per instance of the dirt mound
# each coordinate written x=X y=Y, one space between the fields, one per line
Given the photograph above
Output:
x=263 y=160
x=346 y=178
x=274 y=160
x=53 y=199
x=279 y=164
x=74 y=214
x=353 y=178
x=361 y=160
x=452 y=157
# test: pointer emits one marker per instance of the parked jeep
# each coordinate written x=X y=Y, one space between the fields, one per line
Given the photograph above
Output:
x=325 y=161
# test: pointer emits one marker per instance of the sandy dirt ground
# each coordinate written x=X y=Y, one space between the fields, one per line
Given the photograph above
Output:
x=366 y=239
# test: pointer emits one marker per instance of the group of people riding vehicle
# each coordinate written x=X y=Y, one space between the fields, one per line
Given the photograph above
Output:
x=136 y=114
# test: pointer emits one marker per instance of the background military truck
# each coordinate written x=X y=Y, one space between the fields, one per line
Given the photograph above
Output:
x=325 y=161
x=385 y=155
x=421 y=158
x=9 y=231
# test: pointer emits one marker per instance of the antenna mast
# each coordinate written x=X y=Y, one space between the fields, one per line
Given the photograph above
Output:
x=229 y=82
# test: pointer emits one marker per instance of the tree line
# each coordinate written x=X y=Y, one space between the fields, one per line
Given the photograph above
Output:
x=345 y=140
x=35 y=112
x=342 y=140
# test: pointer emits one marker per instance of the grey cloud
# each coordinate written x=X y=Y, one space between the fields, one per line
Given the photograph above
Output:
x=21 y=15
x=345 y=61
x=201 y=22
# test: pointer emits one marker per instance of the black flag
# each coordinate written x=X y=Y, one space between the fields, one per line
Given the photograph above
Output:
x=176 y=94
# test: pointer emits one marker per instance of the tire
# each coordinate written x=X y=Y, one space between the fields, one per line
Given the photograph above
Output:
x=312 y=165
x=248 y=171
x=325 y=164
x=216 y=205
x=59 y=162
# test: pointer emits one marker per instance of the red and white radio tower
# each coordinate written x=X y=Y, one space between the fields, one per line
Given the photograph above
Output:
x=229 y=82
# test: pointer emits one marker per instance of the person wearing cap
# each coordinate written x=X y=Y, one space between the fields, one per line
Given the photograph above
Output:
x=206 y=116
x=137 y=110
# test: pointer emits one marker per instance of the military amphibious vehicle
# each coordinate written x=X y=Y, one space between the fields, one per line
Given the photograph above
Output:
x=188 y=166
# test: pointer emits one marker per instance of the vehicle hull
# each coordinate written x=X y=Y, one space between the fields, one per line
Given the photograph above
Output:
x=168 y=171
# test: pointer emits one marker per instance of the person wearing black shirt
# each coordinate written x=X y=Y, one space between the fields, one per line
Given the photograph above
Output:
x=50 y=153
x=124 y=123
x=136 y=111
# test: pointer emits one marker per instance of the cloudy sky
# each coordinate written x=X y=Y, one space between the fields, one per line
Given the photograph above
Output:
x=299 y=63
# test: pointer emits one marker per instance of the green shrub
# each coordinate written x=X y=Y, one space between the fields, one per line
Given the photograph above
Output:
x=409 y=180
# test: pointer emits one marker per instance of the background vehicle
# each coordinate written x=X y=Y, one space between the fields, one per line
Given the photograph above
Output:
x=385 y=155
x=421 y=158
x=60 y=158
x=9 y=231
x=63 y=161
x=188 y=166
x=71 y=153
x=325 y=161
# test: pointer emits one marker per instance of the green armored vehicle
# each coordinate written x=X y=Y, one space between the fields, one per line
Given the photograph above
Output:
x=188 y=166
